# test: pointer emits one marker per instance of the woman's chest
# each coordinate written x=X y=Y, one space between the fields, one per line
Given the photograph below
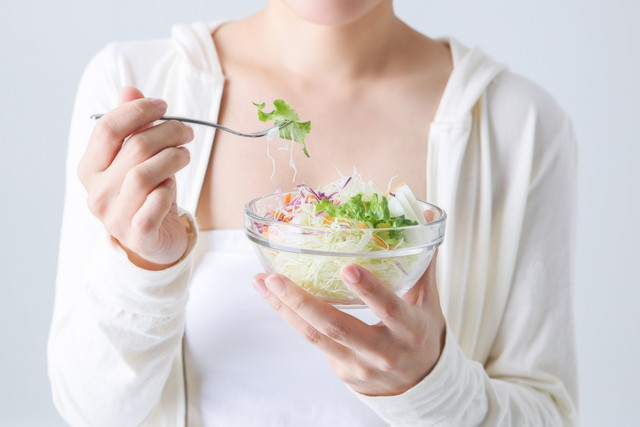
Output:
x=379 y=132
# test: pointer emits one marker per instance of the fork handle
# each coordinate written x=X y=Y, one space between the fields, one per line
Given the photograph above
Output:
x=213 y=125
x=200 y=122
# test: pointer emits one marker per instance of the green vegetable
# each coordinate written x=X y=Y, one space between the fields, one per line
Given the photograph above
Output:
x=283 y=112
x=372 y=214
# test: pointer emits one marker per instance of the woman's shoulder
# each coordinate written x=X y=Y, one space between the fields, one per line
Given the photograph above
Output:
x=477 y=78
x=519 y=117
x=133 y=51
x=187 y=47
x=518 y=97
x=526 y=121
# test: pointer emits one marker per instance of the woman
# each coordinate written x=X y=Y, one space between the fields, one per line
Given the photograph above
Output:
x=154 y=323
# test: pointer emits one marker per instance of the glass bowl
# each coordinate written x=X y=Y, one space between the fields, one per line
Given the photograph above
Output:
x=312 y=256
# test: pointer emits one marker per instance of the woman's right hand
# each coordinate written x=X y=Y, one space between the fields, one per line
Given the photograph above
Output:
x=128 y=170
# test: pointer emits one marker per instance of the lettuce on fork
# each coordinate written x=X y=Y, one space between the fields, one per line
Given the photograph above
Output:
x=296 y=131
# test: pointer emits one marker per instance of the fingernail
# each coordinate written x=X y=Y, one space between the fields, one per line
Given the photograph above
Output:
x=351 y=274
x=275 y=285
x=429 y=215
x=186 y=151
x=260 y=287
x=159 y=104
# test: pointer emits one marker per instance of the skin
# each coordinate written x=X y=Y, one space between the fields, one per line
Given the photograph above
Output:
x=131 y=186
x=385 y=359
x=371 y=86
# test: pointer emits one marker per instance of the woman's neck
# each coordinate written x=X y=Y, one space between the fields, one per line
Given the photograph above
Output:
x=345 y=52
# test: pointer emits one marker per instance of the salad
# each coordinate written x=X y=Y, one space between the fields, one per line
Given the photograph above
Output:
x=308 y=235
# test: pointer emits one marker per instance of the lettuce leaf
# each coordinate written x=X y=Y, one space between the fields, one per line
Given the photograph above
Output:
x=372 y=214
x=283 y=112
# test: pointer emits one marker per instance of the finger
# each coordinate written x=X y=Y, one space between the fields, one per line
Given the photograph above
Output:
x=432 y=297
x=425 y=289
x=157 y=205
x=146 y=144
x=328 y=346
x=258 y=283
x=146 y=176
x=384 y=303
x=331 y=322
x=112 y=129
x=129 y=93
x=429 y=215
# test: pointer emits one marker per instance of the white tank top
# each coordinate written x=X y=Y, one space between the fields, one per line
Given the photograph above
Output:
x=244 y=365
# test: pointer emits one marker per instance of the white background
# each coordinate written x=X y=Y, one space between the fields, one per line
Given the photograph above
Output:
x=585 y=53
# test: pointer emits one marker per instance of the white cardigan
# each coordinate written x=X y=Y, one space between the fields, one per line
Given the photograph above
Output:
x=502 y=163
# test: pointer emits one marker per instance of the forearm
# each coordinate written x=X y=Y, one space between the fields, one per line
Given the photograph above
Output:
x=111 y=350
x=459 y=392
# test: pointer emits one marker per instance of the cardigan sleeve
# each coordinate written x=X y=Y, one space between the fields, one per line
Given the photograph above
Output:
x=116 y=329
x=529 y=378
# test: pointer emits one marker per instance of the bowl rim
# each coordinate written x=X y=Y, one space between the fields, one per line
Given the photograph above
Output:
x=247 y=211
x=382 y=253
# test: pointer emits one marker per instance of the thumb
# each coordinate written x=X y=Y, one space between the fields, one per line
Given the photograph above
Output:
x=129 y=93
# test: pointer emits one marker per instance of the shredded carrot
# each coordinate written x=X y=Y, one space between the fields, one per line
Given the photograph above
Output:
x=376 y=239
x=287 y=198
x=380 y=242
x=393 y=190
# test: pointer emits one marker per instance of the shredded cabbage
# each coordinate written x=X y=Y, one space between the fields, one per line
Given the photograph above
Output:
x=292 y=164
x=271 y=136
x=320 y=275
x=348 y=212
x=294 y=132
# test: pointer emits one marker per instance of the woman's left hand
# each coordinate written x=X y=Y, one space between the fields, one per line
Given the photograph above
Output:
x=377 y=360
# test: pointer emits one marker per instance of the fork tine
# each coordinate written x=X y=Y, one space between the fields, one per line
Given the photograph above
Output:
x=278 y=126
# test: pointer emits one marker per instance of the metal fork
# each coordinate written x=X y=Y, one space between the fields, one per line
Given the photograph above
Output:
x=257 y=134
